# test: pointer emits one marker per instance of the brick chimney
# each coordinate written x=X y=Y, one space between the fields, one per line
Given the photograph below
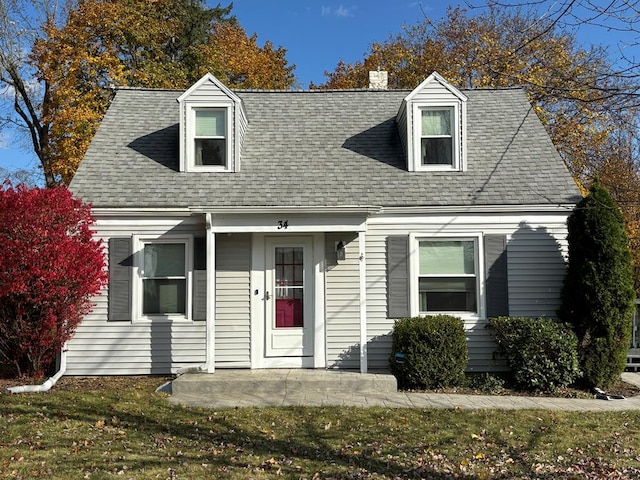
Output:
x=378 y=80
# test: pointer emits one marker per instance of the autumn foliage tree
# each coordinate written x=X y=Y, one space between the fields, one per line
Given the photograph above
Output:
x=50 y=267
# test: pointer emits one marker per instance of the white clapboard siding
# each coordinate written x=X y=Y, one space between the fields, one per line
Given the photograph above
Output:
x=343 y=302
x=101 y=347
x=232 y=328
x=534 y=286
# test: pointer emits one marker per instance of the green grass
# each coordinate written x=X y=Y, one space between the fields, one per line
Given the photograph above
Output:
x=118 y=428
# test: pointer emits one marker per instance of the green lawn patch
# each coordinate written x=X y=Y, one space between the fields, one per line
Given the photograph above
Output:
x=119 y=428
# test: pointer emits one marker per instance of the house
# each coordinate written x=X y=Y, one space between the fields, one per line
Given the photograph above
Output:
x=288 y=229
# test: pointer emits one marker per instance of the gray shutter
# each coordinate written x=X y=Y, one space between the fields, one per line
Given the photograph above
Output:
x=495 y=255
x=398 y=276
x=199 y=278
x=120 y=272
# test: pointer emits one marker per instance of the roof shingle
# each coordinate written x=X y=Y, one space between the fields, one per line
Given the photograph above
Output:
x=322 y=148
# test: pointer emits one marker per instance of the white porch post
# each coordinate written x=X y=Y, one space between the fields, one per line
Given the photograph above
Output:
x=211 y=296
x=363 y=303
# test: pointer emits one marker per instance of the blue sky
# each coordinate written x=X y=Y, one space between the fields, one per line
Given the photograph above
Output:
x=316 y=34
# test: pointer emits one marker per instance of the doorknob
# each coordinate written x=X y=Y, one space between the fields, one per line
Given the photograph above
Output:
x=267 y=296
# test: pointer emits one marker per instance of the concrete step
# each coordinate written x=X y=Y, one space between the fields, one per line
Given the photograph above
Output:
x=230 y=382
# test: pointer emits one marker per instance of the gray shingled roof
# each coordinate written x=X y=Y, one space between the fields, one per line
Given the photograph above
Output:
x=322 y=148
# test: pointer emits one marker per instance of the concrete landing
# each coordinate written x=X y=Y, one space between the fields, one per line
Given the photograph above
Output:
x=238 y=383
x=263 y=388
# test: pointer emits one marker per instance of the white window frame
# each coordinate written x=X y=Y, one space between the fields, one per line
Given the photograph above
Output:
x=139 y=242
x=414 y=269
x=190 y=137
x=457 y=163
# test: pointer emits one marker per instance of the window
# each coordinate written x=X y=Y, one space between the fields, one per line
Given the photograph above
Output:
x=447 y=280
x=210 y=142
x=436 y=139
x=163 y=272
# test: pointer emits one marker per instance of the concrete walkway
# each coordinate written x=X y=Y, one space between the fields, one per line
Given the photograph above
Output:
x=261 y=388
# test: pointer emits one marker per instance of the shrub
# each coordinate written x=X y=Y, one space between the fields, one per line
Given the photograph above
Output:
x=486 y=382
x=541 y=352
x=598 y=294
x=50 y=267
x=429 y=352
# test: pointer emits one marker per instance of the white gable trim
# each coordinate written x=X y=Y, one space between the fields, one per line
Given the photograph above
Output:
x=209 y=78
x=436 y=77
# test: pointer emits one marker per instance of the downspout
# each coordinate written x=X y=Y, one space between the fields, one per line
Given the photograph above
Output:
x=46 y=386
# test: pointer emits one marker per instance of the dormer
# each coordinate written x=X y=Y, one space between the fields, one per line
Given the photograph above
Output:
x=432 y=122
x=212 y=126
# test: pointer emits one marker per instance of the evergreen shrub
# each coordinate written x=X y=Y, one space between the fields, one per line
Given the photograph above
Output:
x=541 y=352
x=429 y=352
x=598 y=296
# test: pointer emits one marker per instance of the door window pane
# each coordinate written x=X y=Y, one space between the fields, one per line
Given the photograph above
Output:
x=289 y=287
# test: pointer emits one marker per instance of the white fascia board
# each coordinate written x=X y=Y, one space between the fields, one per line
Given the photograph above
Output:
x=140 y=212
x=457 y=209
x=244 y=210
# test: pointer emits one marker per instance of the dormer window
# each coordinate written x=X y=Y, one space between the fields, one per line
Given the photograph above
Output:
x=437 y=137
x=213 y=123
x=208 y=136
x=432 y=124
x=210 y=139
x=436 y=141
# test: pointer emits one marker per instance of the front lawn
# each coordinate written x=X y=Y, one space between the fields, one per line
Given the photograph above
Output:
x=119 y=428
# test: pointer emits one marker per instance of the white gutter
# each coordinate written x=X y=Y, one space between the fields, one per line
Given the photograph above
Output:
x=46 y=386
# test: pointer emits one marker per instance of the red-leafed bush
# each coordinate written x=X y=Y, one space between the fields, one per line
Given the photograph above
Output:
x=50 y=267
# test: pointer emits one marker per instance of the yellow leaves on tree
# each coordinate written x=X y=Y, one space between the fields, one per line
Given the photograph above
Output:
x=75 y=71
x=140 y=43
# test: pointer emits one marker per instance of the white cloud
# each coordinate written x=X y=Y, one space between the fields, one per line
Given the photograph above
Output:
x=340 y=11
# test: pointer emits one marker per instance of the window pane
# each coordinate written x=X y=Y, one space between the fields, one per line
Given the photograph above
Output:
x=447 y=294
x=436 y=122
x=447 y=257
x=163 y=296
x=210 y=151
x=210 y=123
x=164 y=260
x=437 y=151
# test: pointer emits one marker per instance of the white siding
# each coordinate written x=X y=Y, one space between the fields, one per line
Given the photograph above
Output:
x=101 y=347
x=537 y=274
x=536 y=271
x=343 y=303
x=208 y=92
x=403 y=128
x=232 y=327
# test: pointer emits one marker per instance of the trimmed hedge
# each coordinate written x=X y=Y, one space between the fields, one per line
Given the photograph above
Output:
x=542 y=353
x=429 y=352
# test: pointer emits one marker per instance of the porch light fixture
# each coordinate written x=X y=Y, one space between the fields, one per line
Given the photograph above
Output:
x=340 y=250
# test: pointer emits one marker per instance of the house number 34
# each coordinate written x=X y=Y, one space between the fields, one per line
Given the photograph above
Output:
x=283 y=224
